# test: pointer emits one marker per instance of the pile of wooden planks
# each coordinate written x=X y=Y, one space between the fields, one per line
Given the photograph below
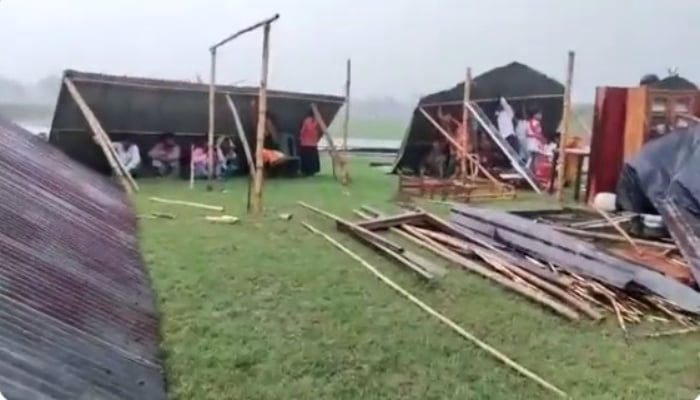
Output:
x=571 y=292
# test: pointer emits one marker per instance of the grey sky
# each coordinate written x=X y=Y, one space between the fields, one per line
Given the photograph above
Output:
x=398 y=48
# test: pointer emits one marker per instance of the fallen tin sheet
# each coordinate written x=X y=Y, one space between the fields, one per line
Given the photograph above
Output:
x=572 y=254
x=78 y=319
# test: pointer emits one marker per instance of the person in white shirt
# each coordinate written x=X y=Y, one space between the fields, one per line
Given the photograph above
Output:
x=129 y=155
x=504 y=118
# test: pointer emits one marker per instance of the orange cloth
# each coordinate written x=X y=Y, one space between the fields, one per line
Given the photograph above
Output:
x=272 y=156
x=308 y=137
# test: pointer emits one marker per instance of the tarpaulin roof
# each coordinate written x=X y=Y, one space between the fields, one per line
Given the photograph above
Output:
x=78 y=319
x=140 y=109
x=514 y=81
x=663 y=178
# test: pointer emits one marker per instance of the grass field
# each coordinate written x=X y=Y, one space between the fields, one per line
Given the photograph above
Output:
x=265 y=310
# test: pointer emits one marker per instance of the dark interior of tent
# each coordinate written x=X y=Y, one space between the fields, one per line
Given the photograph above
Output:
x=141 y=110
x=525 y=88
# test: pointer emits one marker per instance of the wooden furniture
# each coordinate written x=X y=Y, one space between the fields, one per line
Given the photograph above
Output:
x=653 y=112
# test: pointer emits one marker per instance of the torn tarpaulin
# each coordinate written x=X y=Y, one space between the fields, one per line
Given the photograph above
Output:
x=569 y=253
x=663 y=178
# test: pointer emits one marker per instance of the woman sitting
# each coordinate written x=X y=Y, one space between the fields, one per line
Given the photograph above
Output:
x=200 y=161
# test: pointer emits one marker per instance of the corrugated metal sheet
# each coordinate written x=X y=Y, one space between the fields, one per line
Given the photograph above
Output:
x=77 y=316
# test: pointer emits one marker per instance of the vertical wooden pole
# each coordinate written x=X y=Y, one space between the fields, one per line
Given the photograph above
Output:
x=346 y=121
x=212 y=97
x=465 y=124
x=565 y=126
x=262 y=122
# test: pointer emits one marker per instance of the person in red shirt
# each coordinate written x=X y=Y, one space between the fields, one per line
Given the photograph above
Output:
x=309 y=136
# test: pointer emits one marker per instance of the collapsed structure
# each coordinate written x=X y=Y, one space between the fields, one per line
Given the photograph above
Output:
x=140 y=109
x=523 y=86
x=78 y=319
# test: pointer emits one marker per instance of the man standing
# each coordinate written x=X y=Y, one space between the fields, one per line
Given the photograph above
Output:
x=308 y=145
x=504 y=118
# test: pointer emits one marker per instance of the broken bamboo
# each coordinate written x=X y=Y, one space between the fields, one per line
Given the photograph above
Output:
x=335 y=157
x=454 y=326
x=186 y=203
x=472 y=266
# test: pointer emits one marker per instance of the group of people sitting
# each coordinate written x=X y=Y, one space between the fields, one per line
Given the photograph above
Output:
x=166 y=155
x=524 y=135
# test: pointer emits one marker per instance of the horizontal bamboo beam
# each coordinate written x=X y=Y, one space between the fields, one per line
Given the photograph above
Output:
x=179 y=86
x=245 y=30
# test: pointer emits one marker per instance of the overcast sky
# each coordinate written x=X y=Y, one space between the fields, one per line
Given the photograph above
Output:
x=399 y=48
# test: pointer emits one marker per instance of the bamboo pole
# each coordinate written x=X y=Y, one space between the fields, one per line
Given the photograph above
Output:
x=566 y=126
x=454 y=326
x=346 y=120
x=344 y=175
x=256 y=202
x=242 y=136
x=186 y=203
x=264 y=23
x=191 y=167
x=102 y=139
x=465 y=123
x=212 y=116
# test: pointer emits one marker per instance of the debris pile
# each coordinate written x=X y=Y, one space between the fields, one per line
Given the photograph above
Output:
x=569 y=276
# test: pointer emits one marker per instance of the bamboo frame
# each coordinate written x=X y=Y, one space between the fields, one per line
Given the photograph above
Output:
x=212 y=83
x=566 y=122
x=459 y=102
x=102 y=139
x=256 y=201
x=333 y=151
x=461 y=149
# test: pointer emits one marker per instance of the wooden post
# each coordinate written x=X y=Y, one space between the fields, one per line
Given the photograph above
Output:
x=465 y=123
x=212 y=104
x=346 y=121
x=256 y=202
x=102 y=139
x=565 y=126
x=242 y=136
x=332 y=150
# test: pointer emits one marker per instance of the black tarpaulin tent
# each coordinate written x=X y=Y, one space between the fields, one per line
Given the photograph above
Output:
x=141 y=109
x=524 y=86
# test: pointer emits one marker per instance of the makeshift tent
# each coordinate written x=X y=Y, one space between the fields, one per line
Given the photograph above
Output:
x=140 y=109
x=78 y=317
x=525 y=88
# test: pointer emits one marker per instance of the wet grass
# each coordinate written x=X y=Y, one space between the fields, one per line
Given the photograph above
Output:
x=265 y=310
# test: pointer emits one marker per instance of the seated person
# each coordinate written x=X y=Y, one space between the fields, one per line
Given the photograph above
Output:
x=199 y=161
x=270 y=153
x=226 y=156
x=165 y=155
x=128 y=154
x=435 y=160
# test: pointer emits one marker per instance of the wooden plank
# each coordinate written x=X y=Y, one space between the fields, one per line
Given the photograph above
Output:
x=386 y=222
x=636 y=122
